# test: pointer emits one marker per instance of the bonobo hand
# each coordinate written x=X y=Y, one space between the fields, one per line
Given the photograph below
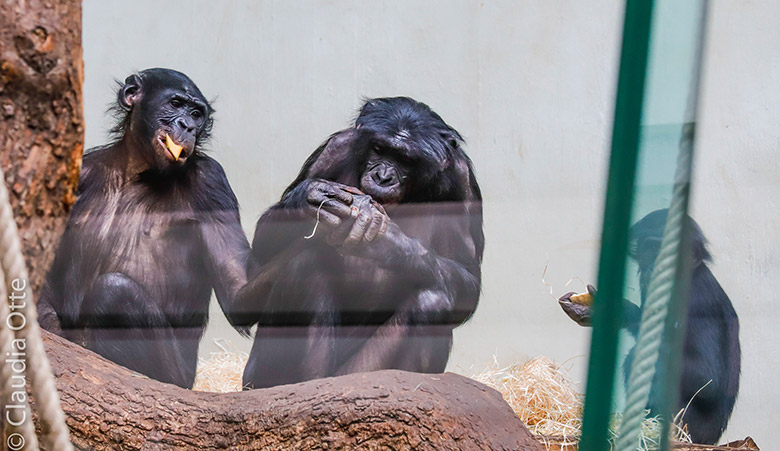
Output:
x=579 y=306
x=366 y=221
x=329 y=201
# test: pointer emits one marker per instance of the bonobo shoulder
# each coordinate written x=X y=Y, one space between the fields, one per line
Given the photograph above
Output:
x=216 y=192
x=93 y=167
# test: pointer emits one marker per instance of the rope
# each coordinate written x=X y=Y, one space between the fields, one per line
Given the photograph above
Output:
x=41 y=380
x=25 y=430
x=654 y=311
x=659 y=291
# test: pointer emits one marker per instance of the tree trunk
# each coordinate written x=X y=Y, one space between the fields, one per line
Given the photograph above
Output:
x=109 y=407
x=41 y=125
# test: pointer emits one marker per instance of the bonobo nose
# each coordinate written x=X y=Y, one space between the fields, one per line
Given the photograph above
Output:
x=185 y=125
x=384 y=177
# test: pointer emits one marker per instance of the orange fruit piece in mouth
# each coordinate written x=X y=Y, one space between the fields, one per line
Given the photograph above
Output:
x=582 y=299
x=173 y=148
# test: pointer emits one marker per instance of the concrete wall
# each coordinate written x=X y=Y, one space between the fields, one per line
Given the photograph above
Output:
x=530 y=85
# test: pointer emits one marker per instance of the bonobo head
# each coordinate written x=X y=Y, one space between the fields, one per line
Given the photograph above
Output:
x=408 y=152
x=646 y=236
x=163 y=115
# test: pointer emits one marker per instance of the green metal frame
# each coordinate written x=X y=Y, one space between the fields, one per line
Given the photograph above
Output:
x=608 y=309
x=620 y=199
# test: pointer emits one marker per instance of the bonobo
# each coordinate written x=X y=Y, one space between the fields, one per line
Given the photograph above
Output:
x=711 y=352
x=154 y=230
x=394 y=216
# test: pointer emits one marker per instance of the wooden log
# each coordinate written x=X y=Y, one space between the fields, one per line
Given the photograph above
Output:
x=109 y=407
x=41 y=120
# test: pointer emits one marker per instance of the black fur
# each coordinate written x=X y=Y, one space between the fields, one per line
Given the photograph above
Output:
x=329 y=305
x=149 y=237
x=711 y=354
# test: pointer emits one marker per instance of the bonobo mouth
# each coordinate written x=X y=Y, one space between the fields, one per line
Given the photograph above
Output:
x=385 y=195
x=172 y=149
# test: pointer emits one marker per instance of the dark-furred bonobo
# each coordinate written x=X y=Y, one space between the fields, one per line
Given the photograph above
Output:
x=154 y=230
x=711 y=352
x=393 y=263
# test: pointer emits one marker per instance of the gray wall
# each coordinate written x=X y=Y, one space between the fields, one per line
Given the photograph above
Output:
x=530 y=85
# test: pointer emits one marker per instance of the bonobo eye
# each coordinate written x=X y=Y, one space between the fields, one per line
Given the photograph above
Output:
x=197 y=114
x=176 y=103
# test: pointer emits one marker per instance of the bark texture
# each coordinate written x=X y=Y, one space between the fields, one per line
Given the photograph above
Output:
x=41 y=120
x=109 y=407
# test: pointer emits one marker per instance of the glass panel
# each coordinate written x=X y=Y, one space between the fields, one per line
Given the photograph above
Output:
x=560 y=105
x=655 y=293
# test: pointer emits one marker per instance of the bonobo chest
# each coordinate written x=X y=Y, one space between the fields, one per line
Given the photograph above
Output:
x=140 y=229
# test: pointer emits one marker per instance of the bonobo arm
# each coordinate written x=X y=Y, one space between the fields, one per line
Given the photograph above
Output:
x=390 y=342
x=447 y=295
x=446 y=274
x=225 y=245
x=279 y=236
x=384 y=345
x=47 y=315
x=449 y=263
x=581 y=312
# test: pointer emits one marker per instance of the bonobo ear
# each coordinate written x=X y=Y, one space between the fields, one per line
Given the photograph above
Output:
x=452 y=143
x=457 y=160
x=453 y=149
x=129 y=94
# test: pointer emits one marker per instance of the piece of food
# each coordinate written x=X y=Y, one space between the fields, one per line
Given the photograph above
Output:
x=173 y=148
x=582 y=299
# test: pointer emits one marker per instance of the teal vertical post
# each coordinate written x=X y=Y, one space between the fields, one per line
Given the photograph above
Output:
x=607 y=310
x=676 y=322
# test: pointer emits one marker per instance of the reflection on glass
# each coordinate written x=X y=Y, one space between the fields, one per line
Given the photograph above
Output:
x=672 y=368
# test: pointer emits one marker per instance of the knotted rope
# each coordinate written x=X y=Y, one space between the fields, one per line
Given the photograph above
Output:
x=659 y=291
x=24 y=326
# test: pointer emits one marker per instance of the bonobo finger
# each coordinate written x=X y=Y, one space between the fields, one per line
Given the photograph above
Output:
x=592 y=290
x=385 y=224
x=337 y=208
x=315 y=197
x=322 y=204
x=336 y=192
x=339 y=234
x=578 y=312
x=385 y=217
x=352 y=190
x=376 y=226
x=358 y=228
x=321 y=190
x=340 y=186
x=378 y=206
x=329 y=218
x=567 y=297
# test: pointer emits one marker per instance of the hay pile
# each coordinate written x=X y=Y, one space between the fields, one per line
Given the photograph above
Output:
x=223 y=371
x=547 y=400
x=541 y=394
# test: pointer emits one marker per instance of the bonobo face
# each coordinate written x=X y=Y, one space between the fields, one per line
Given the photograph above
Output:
x=408 y=152
x=168 y=115
x=384 y=177
x=179 y=116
